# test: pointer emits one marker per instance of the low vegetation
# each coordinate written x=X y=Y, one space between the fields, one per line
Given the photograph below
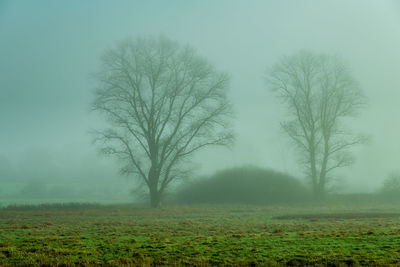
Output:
x=201 y=235
x=245 y=185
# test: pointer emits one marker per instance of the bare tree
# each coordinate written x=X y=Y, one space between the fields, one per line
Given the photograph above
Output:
x=391 y=185
x=163 y=103
x=319 y=92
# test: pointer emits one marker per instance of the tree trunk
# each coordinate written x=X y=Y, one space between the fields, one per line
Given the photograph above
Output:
x=322 y=175
x=155 y=194
x=155 y=197
x=321 y=186
x=320 y=193
x=314 y=178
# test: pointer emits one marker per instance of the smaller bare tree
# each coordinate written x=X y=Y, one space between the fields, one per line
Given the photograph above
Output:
x=391 y=185
x=163 y=103
x=319 y=92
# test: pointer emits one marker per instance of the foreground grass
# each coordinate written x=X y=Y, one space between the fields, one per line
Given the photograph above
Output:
x=224 y=235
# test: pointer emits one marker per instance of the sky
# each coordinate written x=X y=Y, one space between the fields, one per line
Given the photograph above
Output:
x=50 y=49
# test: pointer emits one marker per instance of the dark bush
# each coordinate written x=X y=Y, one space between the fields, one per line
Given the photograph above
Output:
x=245 y=185
x=391 y=185
x=390 y=190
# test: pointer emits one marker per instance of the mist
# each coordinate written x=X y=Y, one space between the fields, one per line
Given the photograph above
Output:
x=199 y=133
x=49 y=51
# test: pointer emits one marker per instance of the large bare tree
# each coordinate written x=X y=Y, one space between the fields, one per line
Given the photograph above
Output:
x=163 y=102
x=319 y=92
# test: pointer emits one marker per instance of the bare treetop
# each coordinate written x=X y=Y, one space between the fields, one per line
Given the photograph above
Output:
x=319 y=92
x=163 y=103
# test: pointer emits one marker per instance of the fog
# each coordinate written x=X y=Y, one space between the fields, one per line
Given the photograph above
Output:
x=50 y=49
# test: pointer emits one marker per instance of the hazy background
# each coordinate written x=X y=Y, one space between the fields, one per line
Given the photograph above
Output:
x=48 y=49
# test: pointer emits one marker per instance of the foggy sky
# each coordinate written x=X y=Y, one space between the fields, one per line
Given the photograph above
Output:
x=49 y=49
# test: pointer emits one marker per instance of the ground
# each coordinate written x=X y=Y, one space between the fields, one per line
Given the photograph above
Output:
x=201 y=236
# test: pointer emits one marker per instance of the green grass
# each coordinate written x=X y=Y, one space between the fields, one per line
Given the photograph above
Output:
x=224 y=235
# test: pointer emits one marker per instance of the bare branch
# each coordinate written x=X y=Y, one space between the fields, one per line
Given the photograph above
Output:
x=164 y=103
x=319 y=92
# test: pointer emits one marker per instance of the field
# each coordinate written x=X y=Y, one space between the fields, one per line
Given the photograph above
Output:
x=200 y=236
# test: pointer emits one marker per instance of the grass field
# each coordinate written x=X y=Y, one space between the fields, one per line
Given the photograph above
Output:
x=200 y=236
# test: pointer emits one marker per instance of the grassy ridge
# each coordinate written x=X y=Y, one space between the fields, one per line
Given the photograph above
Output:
x=225 y=235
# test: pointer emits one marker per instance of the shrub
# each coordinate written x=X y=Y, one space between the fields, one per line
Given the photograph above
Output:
x=245 y=185
x=391 y=186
